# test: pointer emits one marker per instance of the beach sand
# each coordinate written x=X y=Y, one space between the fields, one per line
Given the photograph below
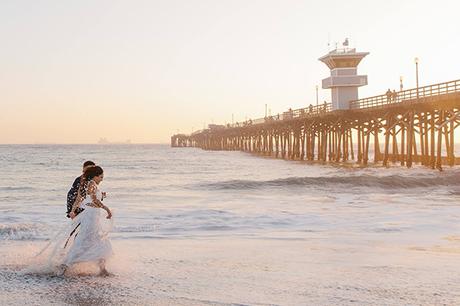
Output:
x=274 y=270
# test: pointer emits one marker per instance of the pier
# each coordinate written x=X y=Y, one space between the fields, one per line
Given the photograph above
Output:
x=406 y=127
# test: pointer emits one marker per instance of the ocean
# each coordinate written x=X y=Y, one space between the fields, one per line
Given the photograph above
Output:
x=196 y=227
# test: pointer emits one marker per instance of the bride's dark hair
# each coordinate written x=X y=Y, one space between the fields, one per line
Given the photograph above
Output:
x=87 y=176
x=92 y=171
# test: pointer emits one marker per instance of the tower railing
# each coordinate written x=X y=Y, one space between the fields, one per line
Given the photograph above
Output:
x=412 y=95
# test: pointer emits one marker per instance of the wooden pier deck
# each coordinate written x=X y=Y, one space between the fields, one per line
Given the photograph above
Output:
x=411 y=126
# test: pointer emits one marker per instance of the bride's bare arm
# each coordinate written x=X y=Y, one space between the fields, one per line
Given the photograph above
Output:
x=92 y=193
x=97 y=202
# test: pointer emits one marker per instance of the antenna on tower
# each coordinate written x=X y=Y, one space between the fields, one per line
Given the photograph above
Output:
x=328 y=42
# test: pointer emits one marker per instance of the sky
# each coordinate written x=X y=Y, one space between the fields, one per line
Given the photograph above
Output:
x=78 y=71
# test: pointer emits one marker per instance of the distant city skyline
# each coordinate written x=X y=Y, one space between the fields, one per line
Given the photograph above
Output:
x=76 y=72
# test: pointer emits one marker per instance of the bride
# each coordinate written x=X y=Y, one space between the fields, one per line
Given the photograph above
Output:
x=86 y=240
x=91 y=243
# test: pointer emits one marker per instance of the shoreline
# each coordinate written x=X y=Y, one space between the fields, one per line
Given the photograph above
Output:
x=250 y=272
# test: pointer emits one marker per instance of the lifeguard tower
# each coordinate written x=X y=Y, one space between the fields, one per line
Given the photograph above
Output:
x=344 y=80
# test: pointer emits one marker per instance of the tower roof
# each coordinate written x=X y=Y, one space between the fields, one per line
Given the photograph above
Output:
x=343 y=58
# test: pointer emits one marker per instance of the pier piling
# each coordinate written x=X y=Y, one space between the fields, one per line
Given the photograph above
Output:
x=416 y=126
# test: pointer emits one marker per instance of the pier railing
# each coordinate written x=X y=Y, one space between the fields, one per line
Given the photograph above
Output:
x=410 y=95
x=288 y=115
x=413 y=95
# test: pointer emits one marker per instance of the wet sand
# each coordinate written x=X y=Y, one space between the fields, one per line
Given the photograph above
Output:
x=274 y=270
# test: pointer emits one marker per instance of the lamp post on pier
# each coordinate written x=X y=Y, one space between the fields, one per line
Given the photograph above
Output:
x=316 y=96
x=416 y=74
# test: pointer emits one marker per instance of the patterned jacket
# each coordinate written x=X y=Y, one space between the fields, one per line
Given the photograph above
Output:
x=72 y=196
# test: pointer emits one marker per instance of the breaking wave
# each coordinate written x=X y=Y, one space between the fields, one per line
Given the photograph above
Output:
x=385 y=182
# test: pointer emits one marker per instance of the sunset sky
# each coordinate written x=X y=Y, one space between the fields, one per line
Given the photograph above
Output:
x=76 y=71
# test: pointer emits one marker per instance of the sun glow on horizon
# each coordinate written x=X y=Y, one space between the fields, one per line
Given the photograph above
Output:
x=143 y=70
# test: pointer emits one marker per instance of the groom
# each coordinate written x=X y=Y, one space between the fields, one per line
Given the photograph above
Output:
x=73 y=192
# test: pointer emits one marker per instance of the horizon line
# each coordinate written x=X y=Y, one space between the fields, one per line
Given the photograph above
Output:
x=83 y=143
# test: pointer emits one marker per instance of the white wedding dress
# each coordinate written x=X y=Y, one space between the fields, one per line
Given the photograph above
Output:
x=91 y=243
x=86 y=240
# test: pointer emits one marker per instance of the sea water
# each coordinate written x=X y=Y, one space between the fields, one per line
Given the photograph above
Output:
x=173 y=204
